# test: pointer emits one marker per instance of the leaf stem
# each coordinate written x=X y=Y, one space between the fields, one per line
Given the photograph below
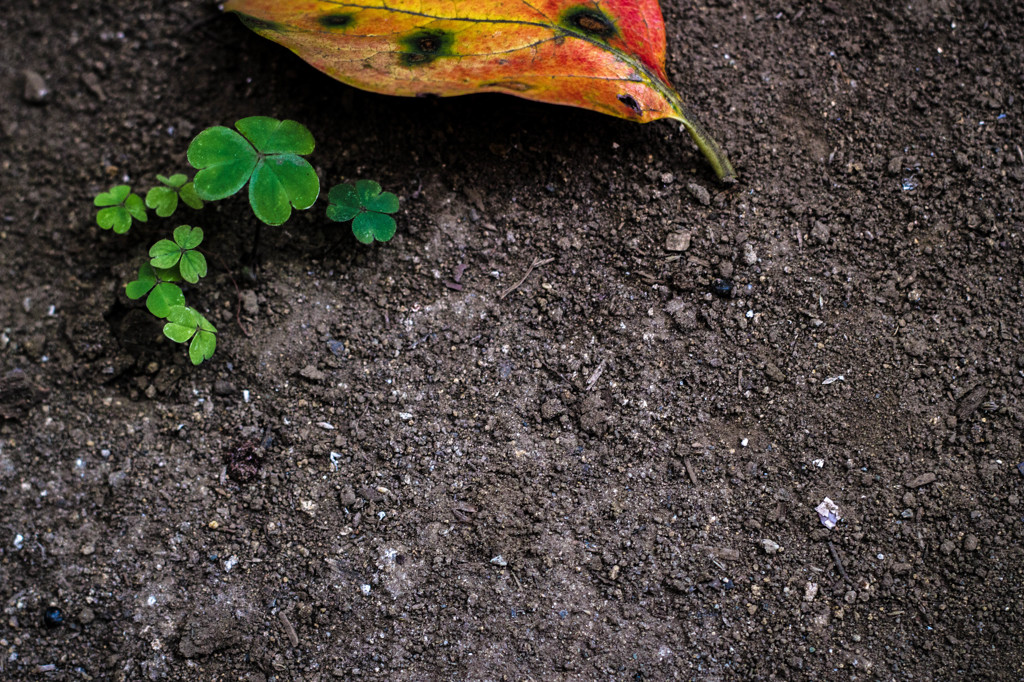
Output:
x=708 y=145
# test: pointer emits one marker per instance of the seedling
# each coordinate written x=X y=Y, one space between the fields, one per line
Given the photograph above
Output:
x=159 y=288
x=118 y=207
x=181 y=253
x=267 y=155
x=164 y=197
x=367 y=207
x=264 y=153
x=186 y=325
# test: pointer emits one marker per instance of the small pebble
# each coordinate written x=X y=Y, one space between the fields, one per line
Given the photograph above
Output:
x=770 y=546
x=678 y=241
x=336 y=347
x=53 y=617
x=312 y=373
x=92 y=82
x=810 y=591
x=699 y=193
x=749 y=254
x=348 y=497
x=499 y=561
x=223 y=387
x=971 y=542
x=250 y=304
x=36 y=91
x=923 y=479
x=821 y=232
x=722 y=288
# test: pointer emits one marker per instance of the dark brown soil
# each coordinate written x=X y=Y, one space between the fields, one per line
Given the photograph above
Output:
x=609 y=473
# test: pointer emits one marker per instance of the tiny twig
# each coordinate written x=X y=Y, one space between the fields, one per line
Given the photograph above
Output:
x=839 y=562
x=592 y=381
x=288 y=629
x=533 y=266
x=689 y=470
x=556 y=373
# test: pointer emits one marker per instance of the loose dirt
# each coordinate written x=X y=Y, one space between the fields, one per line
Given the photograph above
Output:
x=391 y=470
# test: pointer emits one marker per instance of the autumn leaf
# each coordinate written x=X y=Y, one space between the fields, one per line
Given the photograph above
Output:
x=608 y=56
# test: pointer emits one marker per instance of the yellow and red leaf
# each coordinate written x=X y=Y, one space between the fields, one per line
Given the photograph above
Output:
x=608 y=56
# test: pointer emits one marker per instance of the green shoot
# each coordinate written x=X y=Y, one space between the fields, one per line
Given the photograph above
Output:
x=267 y=155
x=185 y=325
x=164 y=198
x=118 y=207
x=181 y=253
x=367 y=207
x=162 y=294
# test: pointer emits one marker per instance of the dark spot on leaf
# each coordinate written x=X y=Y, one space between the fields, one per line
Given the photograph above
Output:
x=261 y=25
x=631 y=103
x=337 y=20
x=423 y=47
x=590 y=21
x=428 y=45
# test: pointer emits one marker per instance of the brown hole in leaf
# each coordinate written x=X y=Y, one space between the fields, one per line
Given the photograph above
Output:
x=590 y=21
x=631 y=103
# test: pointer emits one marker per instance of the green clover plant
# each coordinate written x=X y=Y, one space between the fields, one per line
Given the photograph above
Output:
x=367 y=207
x=186 y=325
x=181 y=253
x=159 y=288
x=118 y=207
x=266 y=154
x=164 y=197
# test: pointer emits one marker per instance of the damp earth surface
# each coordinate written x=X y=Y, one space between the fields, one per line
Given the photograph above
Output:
x=577 y=419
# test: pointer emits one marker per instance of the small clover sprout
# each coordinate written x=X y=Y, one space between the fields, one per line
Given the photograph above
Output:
x=181 y=253
x=185 y=324
x=118 y=207
x=267 y=155
x=164 y=197
x=163 y=293
x=367 y=207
